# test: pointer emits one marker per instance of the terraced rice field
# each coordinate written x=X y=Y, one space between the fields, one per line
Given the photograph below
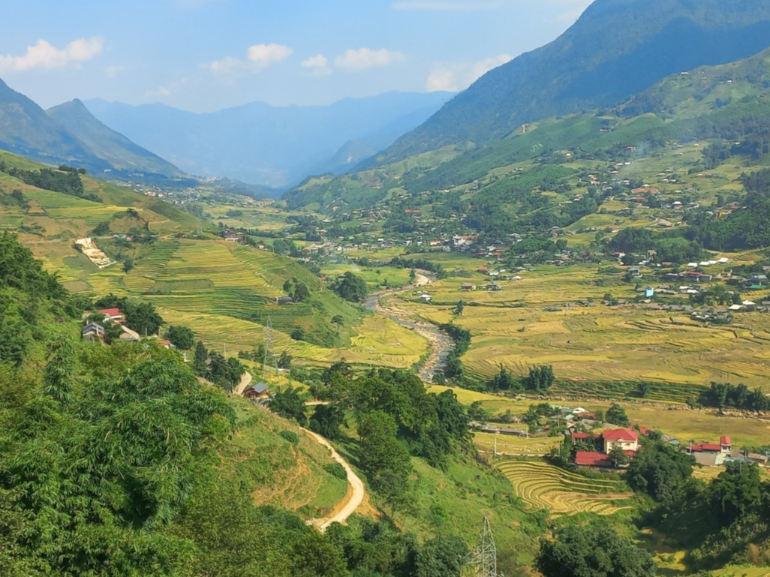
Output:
x=543 y=486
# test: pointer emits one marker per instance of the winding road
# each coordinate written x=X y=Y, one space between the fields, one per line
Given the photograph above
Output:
x=357 y=491
x=441 y=344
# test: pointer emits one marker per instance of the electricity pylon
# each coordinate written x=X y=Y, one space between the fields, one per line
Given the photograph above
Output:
x=483 y=559
x=269 y=360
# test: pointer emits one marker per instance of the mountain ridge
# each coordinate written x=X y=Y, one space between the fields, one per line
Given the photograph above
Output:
x=616 y=49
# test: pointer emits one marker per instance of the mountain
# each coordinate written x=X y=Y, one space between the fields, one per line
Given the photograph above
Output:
x=616 y=49
x=69 y=134
x=26 y=129
x=274 y=146
x=106 y=144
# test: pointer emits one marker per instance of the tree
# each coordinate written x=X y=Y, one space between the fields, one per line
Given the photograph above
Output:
x=618 y=457
x=181 y=337
x=441 y=557
x=642 y=389
x=298 y=334
x=616 y=415
x=290 y=404
x=128 y=265
x=351 y=288
x=661 y=471
x=58 y=377
x=327 y=420
x=593 y=550
x=200 y=362
x=284 y=361
x=384 y=459
x=541 y=378
x=502 y=381
x=338 y=320
x=458 y=310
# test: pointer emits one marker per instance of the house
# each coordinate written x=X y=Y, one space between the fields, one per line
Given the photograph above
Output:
x=623 y=438
x=649 y=293
x=494 y=287
x=426 y=298
x=578 y=437
x=592 y=459
x=467 y=287
x=724 y=447
x=93 y=332
x=284 y=300
x=258 y=392
x=113 y=315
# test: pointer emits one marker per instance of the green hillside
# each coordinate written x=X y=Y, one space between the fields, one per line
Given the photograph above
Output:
x=616 y=49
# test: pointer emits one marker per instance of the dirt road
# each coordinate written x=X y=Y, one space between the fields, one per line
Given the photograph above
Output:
x=355 y=496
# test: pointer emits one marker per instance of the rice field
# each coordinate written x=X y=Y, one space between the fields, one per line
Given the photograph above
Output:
x=543 y=486
x=536 y=321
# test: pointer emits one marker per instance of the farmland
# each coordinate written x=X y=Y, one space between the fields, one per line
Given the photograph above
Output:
x=536 y=321
x=544 y=486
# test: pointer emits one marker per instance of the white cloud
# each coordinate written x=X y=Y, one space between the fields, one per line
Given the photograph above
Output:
x=44 y=55
x=113 y=72
x=258 y=57
x=366 y=58
x=267 y=54
x=460 y=75
x=317 y=65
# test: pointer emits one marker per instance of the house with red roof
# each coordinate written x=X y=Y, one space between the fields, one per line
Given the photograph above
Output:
x=592 y=459
x=724 y=447
x=113 y=315
x=623 y=438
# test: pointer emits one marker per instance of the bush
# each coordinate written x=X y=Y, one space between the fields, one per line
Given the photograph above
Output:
x=290 y=436
x=336 y=470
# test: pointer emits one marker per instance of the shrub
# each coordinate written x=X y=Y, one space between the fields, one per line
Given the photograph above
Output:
x=290 y=436
x=336 y=470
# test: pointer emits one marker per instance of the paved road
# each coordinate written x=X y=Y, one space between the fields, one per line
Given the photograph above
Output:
x=356 y=496
x=243 y=385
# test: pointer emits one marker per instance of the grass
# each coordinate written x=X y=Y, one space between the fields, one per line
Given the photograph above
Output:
x=276 y=472
x=544 y=486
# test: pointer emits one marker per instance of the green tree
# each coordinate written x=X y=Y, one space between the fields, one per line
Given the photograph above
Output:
x=339 y=321
x=660 y=470
x=616 y=415
x=298 y=334
x=384 y=459
x=618 y=458
x=128 y=265
x=593 y=550
x=200 y=361
x=642 y=390
x=441 y=557
x=458 y=310
x=59 y=374
x=327 y=420
x=284 y=361
x=351 y=288
x=290 y=404
x=181 y=337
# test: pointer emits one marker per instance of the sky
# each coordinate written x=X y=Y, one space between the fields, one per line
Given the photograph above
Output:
x=205 y=55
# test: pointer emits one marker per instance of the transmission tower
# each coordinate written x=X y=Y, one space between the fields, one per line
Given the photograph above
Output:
x=483 y=559
x=268 y=362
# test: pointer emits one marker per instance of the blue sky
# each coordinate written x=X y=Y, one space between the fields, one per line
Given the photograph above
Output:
x=204 y=55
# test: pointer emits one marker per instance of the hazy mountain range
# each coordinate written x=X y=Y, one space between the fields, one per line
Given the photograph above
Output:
x=274 y=146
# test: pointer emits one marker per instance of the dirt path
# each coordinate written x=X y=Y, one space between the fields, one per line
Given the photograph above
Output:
x=243 y=385
x=355 y=495
x=356 y=491
x=440 y=343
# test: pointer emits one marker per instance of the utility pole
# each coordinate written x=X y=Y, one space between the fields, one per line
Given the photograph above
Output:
x=269 y=358
x=483 y=559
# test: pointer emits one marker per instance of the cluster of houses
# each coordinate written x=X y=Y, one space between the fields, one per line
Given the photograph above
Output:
x=604 y=443
x=95 y=331
x=722 y=453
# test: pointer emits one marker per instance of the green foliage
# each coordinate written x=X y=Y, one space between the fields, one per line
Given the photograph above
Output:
x=290 y=436
x=181 y=337
x=327 y=420
x=290 y=404
x=503 y=381
x=140 y=316
x=336 y=470
x=541 y=378
x=616 y=415
x=384 y=459
x=351 y=288
x=593 y=550
x=65 y=182
x=660 y=470
x=724 y=395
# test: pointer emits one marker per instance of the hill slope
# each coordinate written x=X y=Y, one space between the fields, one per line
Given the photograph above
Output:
x=69 y=134
x=263 y=144
x=616 y=49
x=106 y=144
